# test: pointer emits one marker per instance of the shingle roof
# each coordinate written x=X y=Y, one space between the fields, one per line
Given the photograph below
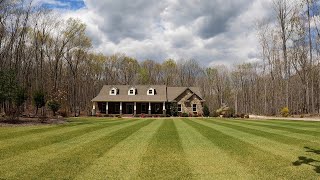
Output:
x=163 y=93
x=174 y=92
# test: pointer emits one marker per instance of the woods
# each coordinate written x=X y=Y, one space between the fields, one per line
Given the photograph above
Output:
x=44 y=58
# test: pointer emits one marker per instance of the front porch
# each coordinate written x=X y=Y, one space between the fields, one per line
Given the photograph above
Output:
x=129 y=108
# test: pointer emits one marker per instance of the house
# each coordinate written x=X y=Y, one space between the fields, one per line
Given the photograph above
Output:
x=147 y=99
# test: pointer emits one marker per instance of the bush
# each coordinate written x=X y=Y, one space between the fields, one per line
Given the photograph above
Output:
x=247 y=116
x=184 y=115
x=206 y=111
x=63 y=113
x=119 y=116
x=225 y=111
x=214 y=114
x=242 y=115
x=174 y=109
x=285 y=112
x=54 y=106
x=39 y=100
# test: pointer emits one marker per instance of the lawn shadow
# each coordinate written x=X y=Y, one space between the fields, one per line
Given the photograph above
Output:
x=309 y=161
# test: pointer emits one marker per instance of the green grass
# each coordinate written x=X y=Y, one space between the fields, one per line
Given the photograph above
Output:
x=99 y=148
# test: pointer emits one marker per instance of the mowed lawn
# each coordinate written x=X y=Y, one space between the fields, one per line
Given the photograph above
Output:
x=98 y=148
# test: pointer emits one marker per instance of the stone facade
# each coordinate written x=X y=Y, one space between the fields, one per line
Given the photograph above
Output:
x=187 y=99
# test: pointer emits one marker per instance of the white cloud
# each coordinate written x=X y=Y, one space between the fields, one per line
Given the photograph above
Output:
x=210 y=31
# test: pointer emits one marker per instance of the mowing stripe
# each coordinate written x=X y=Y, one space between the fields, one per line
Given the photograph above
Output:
x=19 y=166
x=39 y=135
x=313 y=127
x=72 y=163
x=165 y=158
x=306 y=124
x=208 y=161
x=285 y=128
x=298 y=138
x=41 y=129
x=121 y=161
x=244 y=148
x=266 y=134
x=48 y=140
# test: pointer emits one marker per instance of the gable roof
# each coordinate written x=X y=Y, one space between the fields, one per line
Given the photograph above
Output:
x=162 y=93
x=175 y=92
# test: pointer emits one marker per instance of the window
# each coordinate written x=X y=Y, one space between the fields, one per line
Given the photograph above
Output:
x=194 y=107
x=113 y=91
x=151 y=91
x=132 y=91
x=179 y=108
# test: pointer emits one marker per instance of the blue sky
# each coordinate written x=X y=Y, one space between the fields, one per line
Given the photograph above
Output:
x=63 y=4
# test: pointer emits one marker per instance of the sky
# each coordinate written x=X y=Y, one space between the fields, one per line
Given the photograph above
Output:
x=213 y=32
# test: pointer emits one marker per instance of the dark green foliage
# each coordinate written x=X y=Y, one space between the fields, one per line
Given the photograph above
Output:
x=39 y=99
x=184 y=115
x=20 y=97
x=8 y=85
x=54 y=106
x=174 y=109
x=206 y=111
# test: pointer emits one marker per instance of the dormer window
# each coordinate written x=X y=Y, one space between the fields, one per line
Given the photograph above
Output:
x=132 y=91
x=150 y=91
x=114 y=91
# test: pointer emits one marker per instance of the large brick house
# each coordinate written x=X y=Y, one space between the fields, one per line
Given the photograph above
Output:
x=147 y=99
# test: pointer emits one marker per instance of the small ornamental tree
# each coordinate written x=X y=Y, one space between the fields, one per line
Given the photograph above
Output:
x=54 y=106
x=174 y=109
x=39 y=100
x=206 y=111
x=285 y=112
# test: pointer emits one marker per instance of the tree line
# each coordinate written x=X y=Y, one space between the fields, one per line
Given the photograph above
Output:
x=44 y=58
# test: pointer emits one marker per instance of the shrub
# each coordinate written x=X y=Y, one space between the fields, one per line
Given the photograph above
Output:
x=63 y=113
x=247 y=116
x=119 y=116
x=174 y=109
x=225 y=111
x=285 y=112
x=206 y=111
x=184 y=115
x=54 y=106
x=39 y=100
x=301 y=116
x=214 y=114
x=242 y=115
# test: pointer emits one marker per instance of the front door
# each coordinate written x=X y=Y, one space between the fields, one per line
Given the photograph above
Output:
x=129 y=108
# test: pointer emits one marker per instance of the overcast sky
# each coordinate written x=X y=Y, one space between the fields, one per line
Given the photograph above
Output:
x=211 y=31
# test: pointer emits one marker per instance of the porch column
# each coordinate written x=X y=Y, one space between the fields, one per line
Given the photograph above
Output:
x=107 y=107
x=149 y=109
x=93 y=112
x=135 y=108
x=120 y=107
x=164 y=108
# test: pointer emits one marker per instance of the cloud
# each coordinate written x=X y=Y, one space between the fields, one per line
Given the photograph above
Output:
x=210 y=31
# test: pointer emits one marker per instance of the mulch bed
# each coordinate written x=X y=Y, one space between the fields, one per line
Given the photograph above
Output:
x=30 y=121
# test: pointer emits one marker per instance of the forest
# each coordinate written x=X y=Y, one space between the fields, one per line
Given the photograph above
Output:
x=48 y=60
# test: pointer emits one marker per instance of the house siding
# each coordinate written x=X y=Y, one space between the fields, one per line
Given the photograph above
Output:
x=186 y=107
